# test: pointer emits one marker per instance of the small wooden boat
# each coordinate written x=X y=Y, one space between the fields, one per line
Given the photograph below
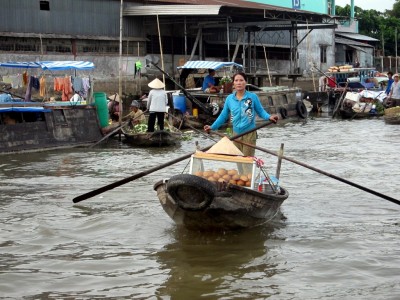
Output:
x=392 y=115
x=202 y=201
x=158 y=138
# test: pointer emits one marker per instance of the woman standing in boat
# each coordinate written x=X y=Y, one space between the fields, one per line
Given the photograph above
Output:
x=243 y=106
x=156 y=105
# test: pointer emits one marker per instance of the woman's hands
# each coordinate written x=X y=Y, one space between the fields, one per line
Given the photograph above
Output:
x=207 y=128
x=274 y=118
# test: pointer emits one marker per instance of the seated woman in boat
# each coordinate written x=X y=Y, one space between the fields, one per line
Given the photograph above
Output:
x=135 y=115
x=113 y=107
x=209 y=83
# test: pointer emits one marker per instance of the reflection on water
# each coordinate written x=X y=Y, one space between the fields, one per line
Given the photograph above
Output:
x=208 y=263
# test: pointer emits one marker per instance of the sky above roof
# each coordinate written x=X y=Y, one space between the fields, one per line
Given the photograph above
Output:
x=369 y=4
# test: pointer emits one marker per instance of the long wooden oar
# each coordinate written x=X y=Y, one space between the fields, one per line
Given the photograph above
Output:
x=115 y=130
x=195 y=129
x=151 y=170
x=320 y=171
x=109 y=134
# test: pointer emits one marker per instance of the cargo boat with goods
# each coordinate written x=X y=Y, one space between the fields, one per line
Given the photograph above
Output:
x=392 y=115
x=36 y=125
x=139 y=136
x=222 y=190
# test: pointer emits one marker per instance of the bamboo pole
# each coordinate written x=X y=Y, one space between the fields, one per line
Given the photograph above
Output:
x=161 y=51
x=120 y=63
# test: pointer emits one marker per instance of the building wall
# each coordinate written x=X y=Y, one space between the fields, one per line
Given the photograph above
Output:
x=72 y=17
x=310 y=49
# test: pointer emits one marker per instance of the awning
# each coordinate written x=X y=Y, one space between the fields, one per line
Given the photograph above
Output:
x=357 y=48
x=50 y=65
x=202 y=64
x=66 y=65
x=24 y=109
x=24 y=65
x=356 y=36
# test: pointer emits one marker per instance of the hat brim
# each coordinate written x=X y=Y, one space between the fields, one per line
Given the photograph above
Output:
x=114 y=97
x=225 y=146
x=156 y=84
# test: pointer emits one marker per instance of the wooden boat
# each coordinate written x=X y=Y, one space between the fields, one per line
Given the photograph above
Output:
x=392 y=115
x=158 y=138
x=361 y=105
x=29 y=126
x=198 y=202
x=37 y=126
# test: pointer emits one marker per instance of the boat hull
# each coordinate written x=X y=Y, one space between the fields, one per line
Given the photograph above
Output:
x=56 y=127
x=393 y=120
x=231 y=206
x=159 y=138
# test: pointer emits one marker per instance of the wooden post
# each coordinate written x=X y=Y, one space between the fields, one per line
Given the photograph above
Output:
x=120 y=63
x=161 y=51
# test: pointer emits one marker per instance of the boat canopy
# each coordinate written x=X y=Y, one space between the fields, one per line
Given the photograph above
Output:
x=51 y=65
x=24 y=109
x=202 y=64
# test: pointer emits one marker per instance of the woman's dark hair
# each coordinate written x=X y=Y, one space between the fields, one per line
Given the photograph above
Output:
x=241 y=74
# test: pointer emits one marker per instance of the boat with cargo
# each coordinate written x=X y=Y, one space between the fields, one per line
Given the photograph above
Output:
x=35 y=125
x=221 y=191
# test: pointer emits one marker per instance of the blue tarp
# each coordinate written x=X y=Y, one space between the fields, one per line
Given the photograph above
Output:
x=24 y=109
x=202 y=64
x=51 y=65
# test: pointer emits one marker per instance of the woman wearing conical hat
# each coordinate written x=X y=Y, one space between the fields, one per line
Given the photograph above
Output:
x=156 y=105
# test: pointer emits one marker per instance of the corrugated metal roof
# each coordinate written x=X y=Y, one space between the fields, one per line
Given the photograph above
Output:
x=357 y=36
x=230 y=3
x=167 y=10
x=339 y=40
x=198 y=7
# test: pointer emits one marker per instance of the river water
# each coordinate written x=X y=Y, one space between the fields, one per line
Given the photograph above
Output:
x=334 y=242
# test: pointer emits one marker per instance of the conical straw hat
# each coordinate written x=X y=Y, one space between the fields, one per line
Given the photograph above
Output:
x=225 y=146
x=114 y=97
x=156 y=84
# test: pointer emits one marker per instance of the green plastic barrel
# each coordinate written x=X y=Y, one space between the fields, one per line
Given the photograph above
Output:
x=100 y=101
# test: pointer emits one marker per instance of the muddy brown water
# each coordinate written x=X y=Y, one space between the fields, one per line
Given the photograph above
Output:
x=335 y=242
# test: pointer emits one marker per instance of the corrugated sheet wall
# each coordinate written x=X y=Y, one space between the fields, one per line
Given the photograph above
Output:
x=74 y=17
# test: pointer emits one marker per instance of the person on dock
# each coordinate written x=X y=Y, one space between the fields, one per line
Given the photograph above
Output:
x=394 y=94
x=243 y=106
x=156 y=105
x=390 y=82
x=209 y=85
x=136 y=115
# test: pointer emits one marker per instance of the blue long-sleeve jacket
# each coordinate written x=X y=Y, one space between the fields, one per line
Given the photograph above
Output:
x=387 y=91
x=243 y=112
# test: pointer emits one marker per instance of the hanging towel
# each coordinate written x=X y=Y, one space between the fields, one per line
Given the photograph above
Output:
x=77 y=84
x=28 y=93
x=42 y=90
x=67 y=89
x=25 y=78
